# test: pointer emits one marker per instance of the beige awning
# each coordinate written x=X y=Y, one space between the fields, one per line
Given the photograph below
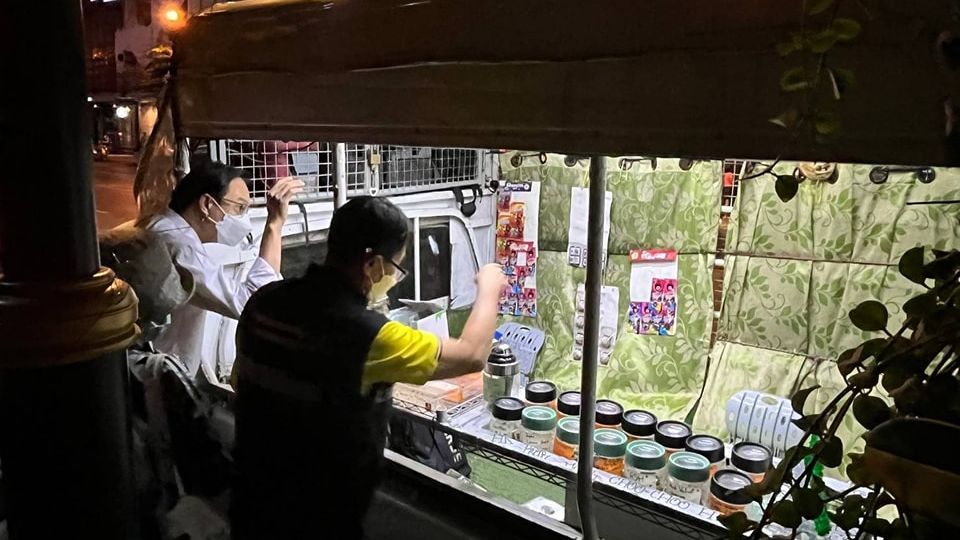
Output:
x=696 y=78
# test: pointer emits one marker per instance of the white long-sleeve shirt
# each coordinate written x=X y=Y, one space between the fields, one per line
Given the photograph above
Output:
x=214 y=289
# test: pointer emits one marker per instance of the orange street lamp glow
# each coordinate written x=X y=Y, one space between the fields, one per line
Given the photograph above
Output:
x=172 y=17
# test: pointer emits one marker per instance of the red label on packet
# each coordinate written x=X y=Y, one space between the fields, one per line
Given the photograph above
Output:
x=653 y=255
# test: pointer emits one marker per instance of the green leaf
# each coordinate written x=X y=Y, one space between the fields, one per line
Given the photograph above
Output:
x=819 y=6
x=787 y=119
x=911 y=265
x=864 y=380
x=831 y=453
x=794 y=79
x=825 y=125
x=737 y=524
x=870 y=411
x=849 y=512
x=808 y=503
x=895 y=375
x=846 y=29
x=921 y=306
x=841 y=81
x=786 y=186
x=823 y=40
x=869 y=316
x=808 y=421
x=800 y=398
x=785 y=513
x=784 y=48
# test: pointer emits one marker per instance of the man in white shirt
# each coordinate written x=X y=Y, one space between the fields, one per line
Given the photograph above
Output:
x=210 y=205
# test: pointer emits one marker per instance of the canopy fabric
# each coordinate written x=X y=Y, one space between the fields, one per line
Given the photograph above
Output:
x=695 y=78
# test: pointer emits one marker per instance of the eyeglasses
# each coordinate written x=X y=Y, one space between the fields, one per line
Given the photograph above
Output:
x=243 y=207
x=403 y=273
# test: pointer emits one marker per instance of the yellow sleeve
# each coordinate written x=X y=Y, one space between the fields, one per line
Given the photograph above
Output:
x=401 y=354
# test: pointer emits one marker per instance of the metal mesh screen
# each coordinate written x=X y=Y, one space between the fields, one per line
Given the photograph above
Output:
x=421 y=168
x=357 y=172
x=370 y=169
x=263 y=162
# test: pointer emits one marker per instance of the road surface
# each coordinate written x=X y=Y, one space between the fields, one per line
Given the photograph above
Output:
x=113 y=191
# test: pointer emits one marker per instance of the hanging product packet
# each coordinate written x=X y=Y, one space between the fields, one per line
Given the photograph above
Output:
x=653 y=292
x=518 y=209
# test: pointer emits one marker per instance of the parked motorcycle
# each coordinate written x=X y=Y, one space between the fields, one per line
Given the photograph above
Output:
x=101 y=149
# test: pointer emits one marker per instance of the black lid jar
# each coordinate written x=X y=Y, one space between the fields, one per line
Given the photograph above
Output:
x=568 y=404
x=726 y=491
x=609 y=413
x=639 y=424
x=707 y=446
x=509 y=409
x=751 y=458
x=541 y=393
x=672 y=434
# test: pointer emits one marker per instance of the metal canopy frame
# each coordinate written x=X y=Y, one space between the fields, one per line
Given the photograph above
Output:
x=636 y=78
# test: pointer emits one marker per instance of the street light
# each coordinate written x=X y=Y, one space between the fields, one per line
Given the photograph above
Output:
x=172 y=17
x=122 y=112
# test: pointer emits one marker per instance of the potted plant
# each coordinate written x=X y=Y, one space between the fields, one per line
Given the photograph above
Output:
x=903 y=388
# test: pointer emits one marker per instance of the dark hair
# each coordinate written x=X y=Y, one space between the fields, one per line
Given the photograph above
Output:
x=206 y=177
x=367 y=223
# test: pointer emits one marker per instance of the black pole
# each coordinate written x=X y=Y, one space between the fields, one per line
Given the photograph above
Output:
x=64 y=322
x=591 y=343
x=46 y=203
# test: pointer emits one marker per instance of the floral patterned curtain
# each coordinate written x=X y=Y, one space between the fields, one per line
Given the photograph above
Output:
x=794 y=270
x=662 y=208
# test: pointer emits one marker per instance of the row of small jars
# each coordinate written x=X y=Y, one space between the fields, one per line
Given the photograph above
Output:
x=660 y=455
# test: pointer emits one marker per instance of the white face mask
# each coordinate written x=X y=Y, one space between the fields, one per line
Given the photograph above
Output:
x=231 y=230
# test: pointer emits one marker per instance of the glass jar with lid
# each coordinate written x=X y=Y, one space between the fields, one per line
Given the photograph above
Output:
x=567 y=442
x=536 y=427
x=752 y=459
x=638 y=424
x=505 y=416
x=726 y=496
x=609 y=414
x=672 y=434
x=541 y=393
x=687 y=476
x=568 y=404
x=709 y=447
x=610 y=447
x=644 y=464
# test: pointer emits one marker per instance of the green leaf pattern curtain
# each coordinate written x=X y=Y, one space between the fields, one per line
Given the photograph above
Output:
x=793 y=271
x=668 y=208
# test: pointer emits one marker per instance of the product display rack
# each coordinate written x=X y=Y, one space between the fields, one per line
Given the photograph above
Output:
x=659 y=513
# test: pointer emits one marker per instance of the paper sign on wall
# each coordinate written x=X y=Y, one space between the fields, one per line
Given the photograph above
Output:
x=653 y=292
x=577 y=233
x=518 y=210
x=609 y=308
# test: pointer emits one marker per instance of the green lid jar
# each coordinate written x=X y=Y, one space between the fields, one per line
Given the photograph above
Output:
x=687 y=475
x=568 y=430
x=646 y=455
x=536 y=427
x=610 y=447
x=538 y=418
x=644 y=461
x=567 y=443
